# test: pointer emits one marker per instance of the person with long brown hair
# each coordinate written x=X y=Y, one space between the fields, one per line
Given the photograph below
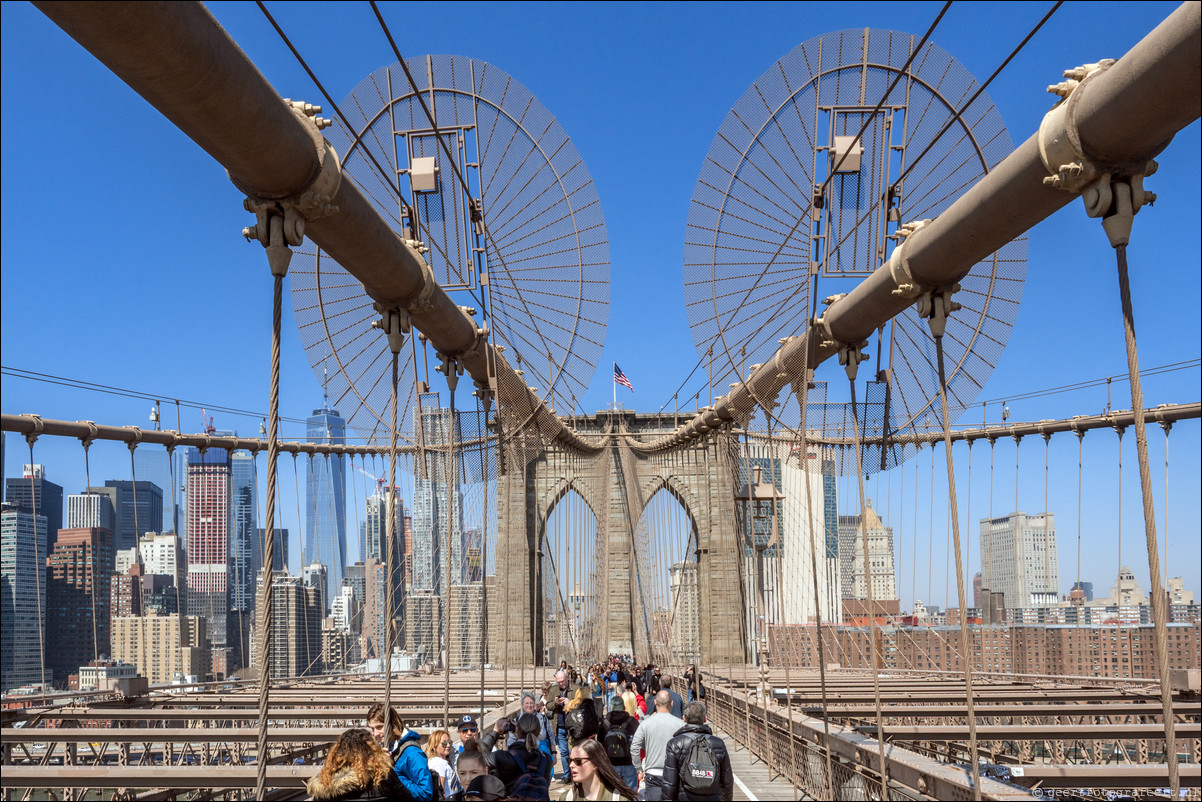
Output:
x=409 y=761
x=594 y=777
x=356 y=768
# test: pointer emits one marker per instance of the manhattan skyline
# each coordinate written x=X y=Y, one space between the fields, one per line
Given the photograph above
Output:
x=580 y=63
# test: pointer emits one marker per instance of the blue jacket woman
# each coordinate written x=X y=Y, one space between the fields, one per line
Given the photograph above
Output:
x=404 y=745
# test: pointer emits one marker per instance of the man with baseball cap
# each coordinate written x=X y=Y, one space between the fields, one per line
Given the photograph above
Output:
x=467 y=731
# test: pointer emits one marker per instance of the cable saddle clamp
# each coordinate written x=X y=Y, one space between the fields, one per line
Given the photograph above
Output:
x=1114 y=192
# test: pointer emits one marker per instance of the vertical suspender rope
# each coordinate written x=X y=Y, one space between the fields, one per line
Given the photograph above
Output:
x=1145 y=482
x=452 y=489
x=781 y=622
x=300 y=539
x=829 y=788
x=987 y=579
x=1020 y=543
x=1166 y=426
x=484 y=401
x=852 y=364
x=931 y=531
x=39 y=567
x=266 y=597
x=389 y=549
x=1081 y=450
x=966 y=655
x=1119 y=518
x=87 y=470
x=176 y=574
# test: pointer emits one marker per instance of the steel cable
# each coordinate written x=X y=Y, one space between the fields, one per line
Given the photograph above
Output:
x=266 y=601
x=873 y=648
x=965 y=653
x=1145 y=481
x=390 y=548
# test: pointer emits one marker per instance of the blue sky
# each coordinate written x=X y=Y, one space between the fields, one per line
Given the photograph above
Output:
x=123 y=262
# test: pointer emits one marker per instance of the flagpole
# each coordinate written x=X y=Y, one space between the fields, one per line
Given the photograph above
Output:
x=614 y=378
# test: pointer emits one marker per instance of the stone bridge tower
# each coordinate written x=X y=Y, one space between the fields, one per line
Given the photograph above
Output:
x=616 y=483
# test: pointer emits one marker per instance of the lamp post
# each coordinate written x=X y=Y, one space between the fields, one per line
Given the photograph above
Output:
x=761 y=498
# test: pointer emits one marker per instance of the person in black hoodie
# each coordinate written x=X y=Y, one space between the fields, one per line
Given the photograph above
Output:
x=617 y=731
x=527 y=769
x=357 y=768
x=683 y=781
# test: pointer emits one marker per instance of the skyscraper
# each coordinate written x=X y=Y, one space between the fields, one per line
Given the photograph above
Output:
x=245 y=548
x=376 y=521
x=880 y=557
x=325 y=494
x=434 y=507
x=34 y=490
x=810 y=513
x=295 y=628
x=22 y=597
x=78 y=574
x=161 y=554
x=208 y=551
x=91 y=509
x=138 y=510
x=1018 y=559
x=279 y=554
x=154 y=465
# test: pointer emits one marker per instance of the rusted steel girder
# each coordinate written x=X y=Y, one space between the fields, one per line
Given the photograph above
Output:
x=183 y=62
x=1031 y=732
x=177 y=777
x=1091 y=775
x=1123 y=116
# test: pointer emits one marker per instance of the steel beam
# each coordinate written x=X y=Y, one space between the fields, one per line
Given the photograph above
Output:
x=1031 y=732
x=985 y=709
x=175 y=735
x=178 y=777
x=1121 y=775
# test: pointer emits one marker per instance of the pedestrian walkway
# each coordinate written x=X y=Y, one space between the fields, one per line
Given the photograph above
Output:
x=751 y=775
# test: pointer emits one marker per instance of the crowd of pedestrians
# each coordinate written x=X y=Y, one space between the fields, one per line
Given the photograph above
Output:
x=615 y=731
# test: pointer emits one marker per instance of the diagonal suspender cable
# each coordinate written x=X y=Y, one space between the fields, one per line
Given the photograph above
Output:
x=873 y=650
x=266 y=593
x=1145 y=482
x=965 y=654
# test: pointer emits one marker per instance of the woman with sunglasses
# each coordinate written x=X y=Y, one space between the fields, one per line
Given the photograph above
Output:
x=594 y=777
x=438 y=750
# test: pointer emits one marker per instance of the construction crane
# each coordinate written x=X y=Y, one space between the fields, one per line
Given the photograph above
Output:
x=207 y=422
x=378 y=480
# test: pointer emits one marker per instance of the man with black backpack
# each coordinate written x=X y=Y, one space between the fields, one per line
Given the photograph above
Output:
x=697 y=766
x=616 y=734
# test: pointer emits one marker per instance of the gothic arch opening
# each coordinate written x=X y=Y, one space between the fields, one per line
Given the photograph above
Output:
x=571 y=586
x=667 y=578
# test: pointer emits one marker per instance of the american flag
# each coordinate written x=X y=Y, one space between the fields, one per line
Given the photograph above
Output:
x=621 y=379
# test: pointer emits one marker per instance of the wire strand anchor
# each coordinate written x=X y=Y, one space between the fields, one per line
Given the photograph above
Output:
x=395 y=323
x=452 y=368
x=850 y=357
x=937 y=306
